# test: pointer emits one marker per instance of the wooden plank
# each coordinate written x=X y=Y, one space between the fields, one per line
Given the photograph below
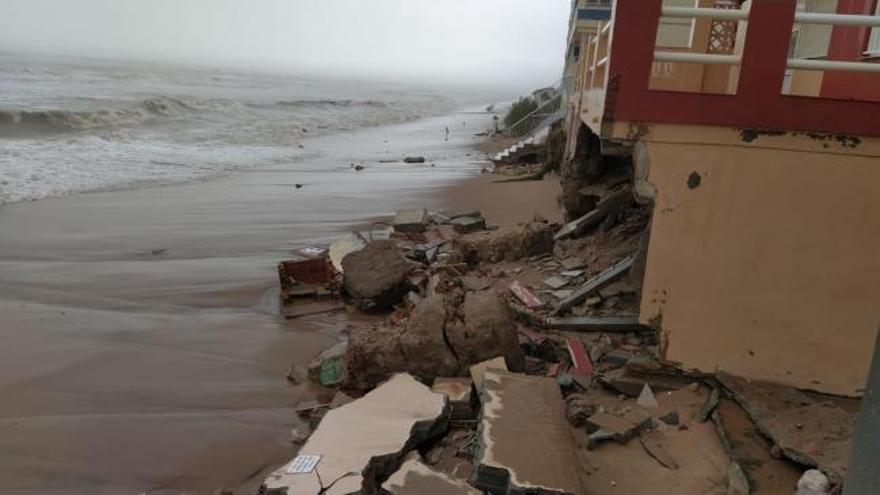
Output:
x=594 y=285
x=611 y=324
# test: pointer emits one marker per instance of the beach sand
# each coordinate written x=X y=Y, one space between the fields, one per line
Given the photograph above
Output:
x=143 y=351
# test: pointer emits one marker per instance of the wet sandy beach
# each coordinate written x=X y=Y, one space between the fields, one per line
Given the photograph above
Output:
x=142 y=351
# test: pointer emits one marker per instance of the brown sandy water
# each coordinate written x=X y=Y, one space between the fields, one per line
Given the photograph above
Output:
x=141 y=347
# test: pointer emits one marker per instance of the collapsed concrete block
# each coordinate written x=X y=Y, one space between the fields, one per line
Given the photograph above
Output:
x=424 y=342
x=606 y=426
x=415 y=478
x=376 y=276
x=510 y=243
x=411 y=220
x=373 y=354
x=488 y=330
x=524 y=443
x=365 y=441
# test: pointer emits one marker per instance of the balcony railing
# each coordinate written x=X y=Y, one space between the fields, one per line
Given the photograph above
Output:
x=616 y=73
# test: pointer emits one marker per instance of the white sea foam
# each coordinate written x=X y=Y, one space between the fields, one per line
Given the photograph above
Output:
x=69 y=126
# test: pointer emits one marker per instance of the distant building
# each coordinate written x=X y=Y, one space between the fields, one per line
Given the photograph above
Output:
x=754 y=130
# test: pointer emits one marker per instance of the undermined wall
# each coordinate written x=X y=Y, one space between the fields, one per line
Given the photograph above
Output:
x=763 y=259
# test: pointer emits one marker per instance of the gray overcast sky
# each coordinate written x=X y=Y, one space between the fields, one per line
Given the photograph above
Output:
x=487 y=42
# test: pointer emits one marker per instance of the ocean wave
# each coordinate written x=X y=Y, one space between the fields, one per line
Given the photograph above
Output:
x=28 y=122
x=332 y=103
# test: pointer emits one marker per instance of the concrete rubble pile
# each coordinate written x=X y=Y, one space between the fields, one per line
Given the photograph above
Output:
x=526 y=367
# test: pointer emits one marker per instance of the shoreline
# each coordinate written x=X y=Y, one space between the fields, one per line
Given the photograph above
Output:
x=144 y=317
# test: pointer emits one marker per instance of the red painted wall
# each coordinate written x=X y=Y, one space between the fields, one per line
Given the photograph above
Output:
x=849 y=43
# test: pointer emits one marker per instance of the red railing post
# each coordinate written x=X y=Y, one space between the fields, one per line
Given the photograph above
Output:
x=631 y=56
x=765 y=55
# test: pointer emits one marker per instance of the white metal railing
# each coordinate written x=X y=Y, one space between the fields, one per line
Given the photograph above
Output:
x=706 y=13
x=793 y=63
x=696 y=58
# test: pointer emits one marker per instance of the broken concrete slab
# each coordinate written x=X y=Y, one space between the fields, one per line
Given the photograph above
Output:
x=655 y=444
x=595 y=216
x=807 y=431
x=622 y=382
x=509 y=461
x=622 y=429
x=466 y=225
x=607 y=324
x=601 y=280
x=475 y=283
x=365 y=441
x=376 y=276
x=415 y=478
x=459 y=392
x=478 y=371
x=411 y=220
x=556 y=282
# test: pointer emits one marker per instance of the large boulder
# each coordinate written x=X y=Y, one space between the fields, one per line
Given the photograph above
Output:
x=376 y=276
x=424 y=340
x=510 y=243
x=488 y=330
x=444 y=336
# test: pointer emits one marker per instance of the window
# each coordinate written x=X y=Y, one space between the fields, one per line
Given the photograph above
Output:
x=874 y=40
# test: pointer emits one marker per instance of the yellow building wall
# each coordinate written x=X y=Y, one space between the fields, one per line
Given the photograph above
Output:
x=764 y=259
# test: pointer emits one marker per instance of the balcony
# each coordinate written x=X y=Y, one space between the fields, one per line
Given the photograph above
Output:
x=729 y=67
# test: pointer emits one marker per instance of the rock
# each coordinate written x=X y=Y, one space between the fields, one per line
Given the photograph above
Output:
x=413 y=220
x=424 y=341
x=373 y=354
x=672 y=419
x=647 y=398
x=578 y=408
x=376 y=276
x=358 y=167
x=509 y=243
x=414 y=159
x=488 y=330
x=366 y=441
x=737 y=483
x=813 y=482
x=298 y=436
x=328 y=368
x=296 y=374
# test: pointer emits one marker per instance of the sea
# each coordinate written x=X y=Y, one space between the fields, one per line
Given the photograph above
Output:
x=72 y=125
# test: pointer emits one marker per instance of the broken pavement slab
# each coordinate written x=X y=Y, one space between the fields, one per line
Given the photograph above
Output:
x=524 y=441
x=593 y=285
x=412 y=220
x=415 y=478
x=606 y=426
x=608 y=324
x=809 y=432
x=365 y=441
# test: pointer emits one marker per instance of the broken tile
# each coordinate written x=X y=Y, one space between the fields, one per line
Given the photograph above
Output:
x=556 y=282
